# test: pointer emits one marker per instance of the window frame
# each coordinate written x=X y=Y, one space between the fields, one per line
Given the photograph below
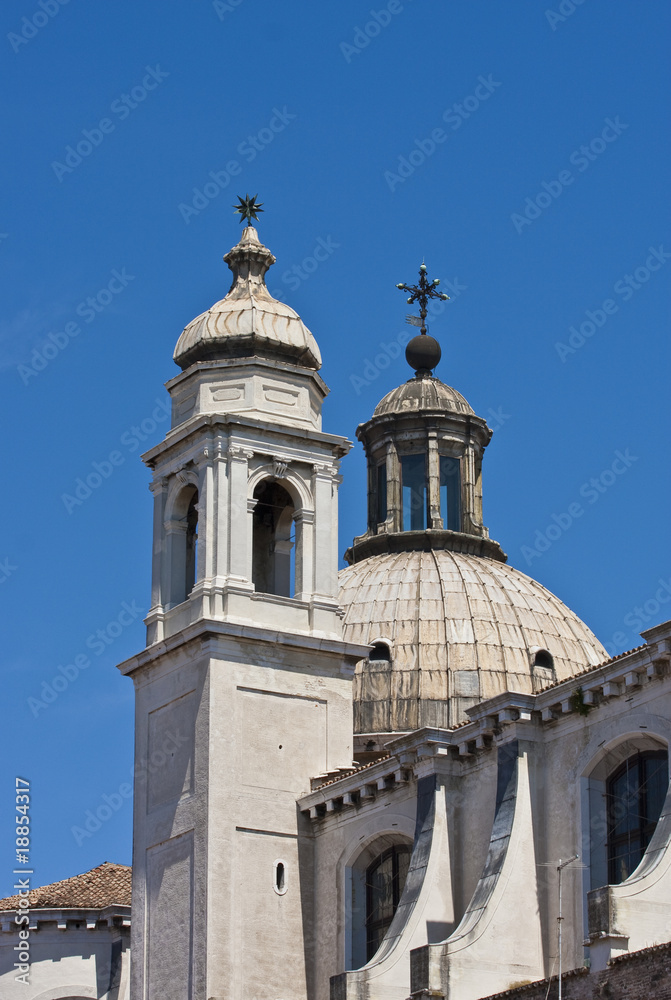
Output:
x=377 y=929
x=424 y=505
x=643 y=831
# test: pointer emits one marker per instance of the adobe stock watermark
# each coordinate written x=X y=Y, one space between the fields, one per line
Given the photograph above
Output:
x=624 y=287
x=31 y=26
x=455 y=116
x=581 y=158
x=6 y=569
x=379 y=19
x=496 y=418
x=371 y=369
x=298 y=273
x=121 y=108
x=112 y=802
x=97 y=642
x=130 y=441
x=650 y=612
x=248 y=149
x=88 y=310
x=563 y=12
x=592 y=490
x=224 y=7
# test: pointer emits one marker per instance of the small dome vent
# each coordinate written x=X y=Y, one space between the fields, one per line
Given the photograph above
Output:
x=380 y=651
x=543 y=659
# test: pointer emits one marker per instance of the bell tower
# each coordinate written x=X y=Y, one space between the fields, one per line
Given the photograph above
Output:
x=243 y=692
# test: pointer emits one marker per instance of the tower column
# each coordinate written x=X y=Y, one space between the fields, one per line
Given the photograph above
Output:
x=324 y=571
x=393 y=488
x=433 y=472
x=159 y=489
x=304 y=521
x=221 y=526
x=240 y=543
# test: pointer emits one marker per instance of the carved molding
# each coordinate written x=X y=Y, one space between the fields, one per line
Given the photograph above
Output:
x=325 y=469
x=183 y=476
x=159 y=485
x=239 y=453
x=280 y=466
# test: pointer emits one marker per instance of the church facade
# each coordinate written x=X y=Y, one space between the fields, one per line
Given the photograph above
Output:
x=421 y=777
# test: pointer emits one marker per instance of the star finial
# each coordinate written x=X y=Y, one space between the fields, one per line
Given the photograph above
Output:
x=421 y=293
x=248 y=208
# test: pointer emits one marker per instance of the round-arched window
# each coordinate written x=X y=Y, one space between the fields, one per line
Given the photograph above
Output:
x=385 y=878
x=380 y=651
x=634 y=798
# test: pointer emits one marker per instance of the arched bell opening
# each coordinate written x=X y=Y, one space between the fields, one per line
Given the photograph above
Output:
x=274 y=540
x=182 y=529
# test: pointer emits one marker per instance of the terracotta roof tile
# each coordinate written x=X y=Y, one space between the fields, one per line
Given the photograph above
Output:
x=106 y=885
x=349 y=773
x=591 y=670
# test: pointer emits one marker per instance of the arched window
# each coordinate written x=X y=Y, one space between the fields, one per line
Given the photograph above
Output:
x=380 y=651
x=634 y=797
x=543 y=659
x=191 y=543
x=273 y=553
x=385 y=878
x=183 y=540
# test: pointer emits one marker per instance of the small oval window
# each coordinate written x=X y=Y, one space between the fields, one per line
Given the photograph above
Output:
x=280 y=878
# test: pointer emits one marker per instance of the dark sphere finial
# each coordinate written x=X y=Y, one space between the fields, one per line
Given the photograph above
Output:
x=423 y=354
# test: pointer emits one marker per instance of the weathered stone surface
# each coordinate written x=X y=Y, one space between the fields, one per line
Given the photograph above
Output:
x=460 y=628
x=248 y=321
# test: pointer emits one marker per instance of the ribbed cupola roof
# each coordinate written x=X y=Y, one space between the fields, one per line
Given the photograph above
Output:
x=248 y=321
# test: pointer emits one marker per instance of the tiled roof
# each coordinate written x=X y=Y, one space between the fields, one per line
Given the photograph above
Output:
x=351 y=771
x=106 y=885
x=604 y=663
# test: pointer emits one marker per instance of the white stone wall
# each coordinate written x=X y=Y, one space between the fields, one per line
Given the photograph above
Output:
x=69 y=963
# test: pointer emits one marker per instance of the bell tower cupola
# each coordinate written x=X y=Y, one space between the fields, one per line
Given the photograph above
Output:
x=424 y=446
x=245 y=483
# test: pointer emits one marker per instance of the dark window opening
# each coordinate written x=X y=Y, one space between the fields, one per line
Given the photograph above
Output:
x=380 y=651
x=414 y=492
x=381 y=493
x=273 y=555
x=279 y=876
x=634 y=798
x=544 y=659
x=191 y=543
x=183 y=547
x=385 y=879
x=450 y=493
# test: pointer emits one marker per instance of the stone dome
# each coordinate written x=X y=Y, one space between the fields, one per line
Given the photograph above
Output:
x=422 y=393
x=459 y=629
x=248 y=322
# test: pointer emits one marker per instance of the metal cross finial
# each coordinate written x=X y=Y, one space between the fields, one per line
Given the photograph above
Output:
x=422 y=292
x=248 y=208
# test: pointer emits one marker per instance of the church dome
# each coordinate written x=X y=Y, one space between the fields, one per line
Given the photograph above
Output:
x=248 y=322
x=451 y=629
x=422 y=393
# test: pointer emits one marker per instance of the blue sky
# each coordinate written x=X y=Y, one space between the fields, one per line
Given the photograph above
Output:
x=521 y=149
